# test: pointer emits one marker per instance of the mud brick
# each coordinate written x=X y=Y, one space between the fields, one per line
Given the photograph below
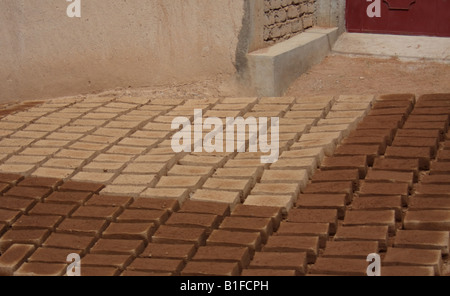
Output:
x=29 y=192
x=240 y=255
x=4 y=187
x=18 y=204
x=133 y=231
x=390 y=176
x=69 y=241
x=346 y=162
x=104 y=213
x=385 y=189
x=142 y=216
x=179 y=194
x=68 y=197
x=441 y=126
x=172 y=266
x=407 y=271
x=443 y=155
x=373 y=135
x=378 y=203
x=228 y=197
x=282 y=261
x=385 y=121
x=3 y=228
x=239 y=173
x=337 y=175
x=440 y=168
x=276 y=189
x=100 y=260
x=314 y=216
x=397 y=97
x=414 y=257
x=419 y=239
x=323 y=201
x=340 y=266
x=202 y=207
x=47 y=209
x=393 y=104
x=11 y=179
x=252 y=240
x=430 y=143
x=274 y=213
x=99 y=271
x=327 y=188
x=398 y=165
x=130 y=273
x=295 y=244
x=155 y=204
x=9 y=216
x=117 y=247
x=81 y=186
x=195 y=268
x=429 y=203
x=89 y=227
x=110 y=201
x=300 y=177
x=40 y=182
x=423 y=154
x=431 y=111
x=419 y=133
x=319 y=230
x=52 y=255
x=206 y=221
x=195 y=160
x=371 y=218
x=23 y=236
x=433 y=189
x=402 y=110
x=446 y=145
x=435 y=179
x=180 y=235
x=427 y=220
x=371 y=151
x=169 y=251
x=13 y=258
x=350 y=249
x=364 y=233
x=246 y=224
x=242 y=186
x=434 y=97
x=37 y=222
x=268 y=272
x=41 y=269
x=179 y=182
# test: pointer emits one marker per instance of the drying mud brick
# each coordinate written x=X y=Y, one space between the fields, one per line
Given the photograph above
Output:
x=109 y=201
x=202 y=207
x=294 y=244
x=47 y=209
x=385 y=189
x=23 y=236
x=423 y=154
x=172 y=266
x=259 y=212
x=11 y=179
x=435 y=179
x=370 y=151
x=340 y=266
x=323 y=201
x=364 y=233
x=104 y=213
x=129 y=231
x=337 y=175
x=52 y=255
x=328 y=188
x=414 y=257
x=440 y=168
x=314 y=216
x=319 y=230
x=81 y=186
x=180 y=235
x=69 y=197
x=350 y=249
x=18 y=204
x=427 y=220
x=40 y=182
x=89 y=227
x=29 y=192
x=206 y=221
x=390 y=176
x=434 y=189
x=429 y=203
x=9 y=217
x=371 y=218
x=408 y=271
x=268 y=272
x=262 y=225
x=399 y=165
x=378 y=203
x=346 y=162
x=37 y=222
x=282 y=261
x=213 y=254
x=14 y=257
x=41 y=269
x=156 y=204
x=69 y=241
x=143 y=216
x=195 y=268
x=169 y=251
x=252 y=240
x=419 y=239
x=99 y=271
x=101 y=260
x=431 y=143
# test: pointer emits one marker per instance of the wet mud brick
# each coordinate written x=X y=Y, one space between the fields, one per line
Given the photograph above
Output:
x=407 y=271
x=314 y=216
x=52 y=255
x=109 y=201
x=440 y=168
x=378 y=203
x=204 y=207
x=385 y=135
x=169 y=251
x=385 y=189
x=377 y=176
x=287 y=244
x=9 y=216
x=274 y=213
x=438 y=190
x=414 y=257
x=419 y=133
x=371 y=151
x=157 y=217
x=431 y=143
x=397 y=98
x=443 y=155
x=319 y=230
x=180 y=235
x=423 y=154
x=51 y=183
x=103 y=213
x=37 y=222
x=262 y=225
x=371 y=218
x=118 y=246
x=346 y=162
x=420 y=239
x=156 y=204
x=37 y=193
x=102 y=260
x=206 y=221
x=383 y=121
x=368 y=139
x=11 y=179
x=41 y=269
x=364 y=233
x=323 y=201
x=252 y=240
x=69 y=241
x=435 y=179
x=407 y=105
x=340 y=266
x=240 y=255
x=402 y=110
x=350 y=249
x=89 y=227
x=69 y=197
x=429 y=203
x=18 y=204
x=398 y=165
x=133 y=231
x=427 y=220
x=196 y=268
x=14 y=257
x=327 y=188
x=49 y=209
x=441 y=126
x=23 y=236
x=336 y=176
x=282 y=261
x=81 y=186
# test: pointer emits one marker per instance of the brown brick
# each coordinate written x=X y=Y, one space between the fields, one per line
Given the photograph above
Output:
x=371 y=151
x=276 y=189
x=268 y=272
x=14 y=257
x=104 y=213
x=206 y=221
x=407 y=271
x=171 y=205
x=180 y=235
x=89 y=227
x=243 y=186
x=346 y=162
x=429 y=203
x=319 y=230
x=132 y=231
x=47 y=209
x=431 y=111
x=259 y=212
x=385 y=189
x=282 y=261
x=431 y=143
x=29 y=192
x=350 y=249
x=145 y=273
x=37 y=222
x=440 y=168
x=40 y=182
x=393 y=104
x=8 y=216
x=52 y=255
x=3 y=228
x=398 y=165
x=381 y=122
x=173 y=266
x=314 y=216
x=286 y=244
x=69 y=241
x=110 y=201
x=419 y=239
x=327 y=188
x=443 y=155
x=423 y=154
x=195 y=268
x=4 y=187
x=204 y=207
x=101 y=260
x=215 y=254
x=41 y=269
x=337 y=175
x=441 y=126
x=434 y=189
x=179 y=182
x=364 y=233
x=99 y=271
x=142 y=216
x=262 y=225
x=427 y=220
x=371 y=218
x=252 y=240
x=390 y=176
x=169 y=251
x=414 y=257
x=419 y=133
x=68 y=197
x=115 y=246
x=17 y=204
x=323 y=201
x=435 y=179
x=340 y=266
x=390 y=111
x=22 y=236
x=11 y=179
x=81 y=186
x=378 y=203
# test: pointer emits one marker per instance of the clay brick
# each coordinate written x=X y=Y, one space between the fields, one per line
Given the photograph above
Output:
x=274 y=213
x=47 y=209
x=101 y=260
x=435 y=179
x=383 y=135
x=141 y=216
x=323 y=201
x=398 y=165
x=69 y=197
x=99 y=271
x=378 y=203
x=172 y=266
x=81 y=186
x=109 y=201
x=104 y=213
x=337 y=175
x=285 y=202
x=423 y=154
x=433 y=189
x=440 y=168
x=346 y=162
x=276 y=189
x=206 y=221
x=246 y=224
x=9 y=217
x=252 y=240
x=371 y=218
x=431 y=143
x=319 y=230
x=221 y=210
x=242 y=186
x=429 y=203
x=350 y=249
x=179 y=182
x=268 y=272
x=385 y=189
x=282 y=261
x=314 y=216
x=300 y=177
x=443 y=155
x=3 y=228
x=130 y=273
x=414 y=257
x=340 y=266
x=133 y=231
x=178 y=194
x=427 y=220
x=287 y=244
x=13 y=258
x=17 y=204
x=239 y=173
x=215 y=254
x=318 y=153
x=89 y=227
x=117 y=247
x=22 y=236
x=328 y=188
x=69 y=241
x=371 y=151
x=391 y=111
x=29 y=192
x=441 y=126
x=390 y=176
x=393 y=104
x=228 y=197
x=407 y=271
x=195 y=268
x=40 y=182
x=364 y=233
x=180 y=235
x=41 y=269
x=11 y=179
x=155 y=204
x=52 y=255
x=169 y=251
x=37 y=222
x=419 y=239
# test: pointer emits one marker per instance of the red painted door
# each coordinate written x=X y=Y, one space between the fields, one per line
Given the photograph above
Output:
x=405 y=17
